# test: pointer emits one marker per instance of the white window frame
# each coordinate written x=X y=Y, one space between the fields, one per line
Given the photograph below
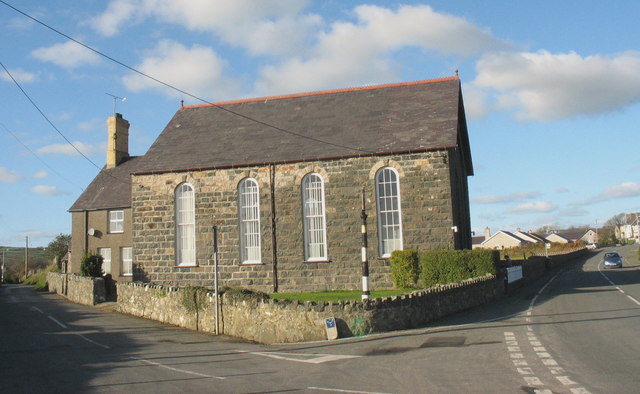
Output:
x=116 y=221
x=106 y=260
x=389 y=211
x=249 y=221
x=126 y=260
x=185 y=212
x=314 y=218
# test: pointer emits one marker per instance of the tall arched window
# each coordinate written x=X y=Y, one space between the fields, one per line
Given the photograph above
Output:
x=185 y=225
x=249 y=216
x=315 y=232
x=389 y=213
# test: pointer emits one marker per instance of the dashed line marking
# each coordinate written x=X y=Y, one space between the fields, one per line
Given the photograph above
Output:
x=35 y=308
x=53 y=319
x=156 y=364
x=565 y=380
x=533 y=381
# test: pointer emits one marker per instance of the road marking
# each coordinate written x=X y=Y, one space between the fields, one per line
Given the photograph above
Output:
x=533 y=381
x=565 y=380
x=35 y=308
x=53 y=319
x=94 y=342
x=343 y=391
x=616 y=286
x=155 y=364
x=313 y=358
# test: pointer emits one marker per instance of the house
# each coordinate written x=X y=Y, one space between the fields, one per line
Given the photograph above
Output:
x=101 y=216
x=504 y=240
x=530 y=236
x=559 y=238
x=283 y=181
x=630 y=229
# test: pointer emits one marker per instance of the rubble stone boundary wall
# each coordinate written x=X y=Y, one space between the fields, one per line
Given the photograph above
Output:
x=79 y=289
x=278 y=321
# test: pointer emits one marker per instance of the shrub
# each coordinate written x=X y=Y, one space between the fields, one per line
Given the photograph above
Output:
x=91 y=265
x=449 y=266
x=405 y=268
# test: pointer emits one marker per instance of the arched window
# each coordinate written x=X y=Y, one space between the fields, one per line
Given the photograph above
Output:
x=185 y=225
x=315 y=232
x=389 y=213
x=249 y=217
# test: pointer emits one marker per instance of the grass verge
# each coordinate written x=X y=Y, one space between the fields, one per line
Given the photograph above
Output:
x=337 y=295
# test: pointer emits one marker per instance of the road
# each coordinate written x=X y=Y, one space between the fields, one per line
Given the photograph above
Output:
x=573 y=331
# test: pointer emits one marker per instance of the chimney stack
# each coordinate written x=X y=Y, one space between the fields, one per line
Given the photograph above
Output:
x=118 y=140
x=487 y=233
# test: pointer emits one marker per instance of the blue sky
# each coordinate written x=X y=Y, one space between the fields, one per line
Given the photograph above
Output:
x=551 y=90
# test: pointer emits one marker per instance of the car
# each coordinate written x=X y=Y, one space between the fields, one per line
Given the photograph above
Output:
x=612 y=260
x=591 y=246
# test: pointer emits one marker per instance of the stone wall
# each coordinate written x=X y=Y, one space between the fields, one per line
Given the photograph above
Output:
x=427 y=220
x=271 y=321
x=80 y=289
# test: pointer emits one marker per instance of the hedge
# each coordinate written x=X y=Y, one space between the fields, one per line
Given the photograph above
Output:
x=448 y=266
x=405 y=269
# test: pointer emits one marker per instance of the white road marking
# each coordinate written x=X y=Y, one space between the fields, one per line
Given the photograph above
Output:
x=94 y=342
x=35 y=308
x=313 y=358
x=580 y=390
x=565 y=380
x=343 y=391
x=533 y=381
x=155 y=364
x=525 y=371
x=616 y=286
x=520 y=363
x=53 y=319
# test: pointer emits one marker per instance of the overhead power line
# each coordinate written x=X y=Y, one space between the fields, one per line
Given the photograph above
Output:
x=38 y=157
x=180 y=90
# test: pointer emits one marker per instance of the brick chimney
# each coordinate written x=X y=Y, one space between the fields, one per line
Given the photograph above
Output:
x=118 y=140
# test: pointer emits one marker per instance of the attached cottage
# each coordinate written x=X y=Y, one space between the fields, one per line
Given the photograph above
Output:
x=282 y=179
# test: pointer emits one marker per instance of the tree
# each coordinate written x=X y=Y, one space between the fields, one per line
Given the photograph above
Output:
x=58 y=247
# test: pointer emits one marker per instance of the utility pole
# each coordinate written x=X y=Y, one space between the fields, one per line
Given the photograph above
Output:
x=365 y=262
x=26 y=257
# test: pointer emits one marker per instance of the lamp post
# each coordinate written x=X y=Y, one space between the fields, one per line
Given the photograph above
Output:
x=365 y=262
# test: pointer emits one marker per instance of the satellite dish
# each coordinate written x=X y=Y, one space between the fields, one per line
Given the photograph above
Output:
x=91 y=231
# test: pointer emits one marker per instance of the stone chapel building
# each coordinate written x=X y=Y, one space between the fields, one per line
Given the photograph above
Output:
x=281 y=178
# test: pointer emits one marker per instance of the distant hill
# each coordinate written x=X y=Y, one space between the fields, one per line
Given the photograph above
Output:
x=14 y=261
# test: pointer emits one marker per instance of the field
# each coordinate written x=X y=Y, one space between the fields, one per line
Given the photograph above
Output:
x=14 y=262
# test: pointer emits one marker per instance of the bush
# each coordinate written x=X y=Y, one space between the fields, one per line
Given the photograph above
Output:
x=449 y=266
x=405 y=268
x=91 y=265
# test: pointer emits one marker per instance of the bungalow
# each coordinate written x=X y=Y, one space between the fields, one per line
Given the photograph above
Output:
x=284 y=180
x=504 y=240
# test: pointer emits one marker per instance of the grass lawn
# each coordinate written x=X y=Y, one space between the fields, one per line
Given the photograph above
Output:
x=337 y=295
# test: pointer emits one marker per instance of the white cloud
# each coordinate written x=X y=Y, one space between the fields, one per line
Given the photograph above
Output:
x=498 y=199
x=90 y=124
x=360 y=53
x=66 y=55
x=19 y=75
x=47 y=190
x=41 y=174
x=573 y=212
x=543 y=86
x=533 y=207
x=627 y=189
x=259 y=26
x=68 y=150
x=8 y=176
x=197 y=70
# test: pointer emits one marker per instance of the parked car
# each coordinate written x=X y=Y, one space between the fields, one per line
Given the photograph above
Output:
x=612 y=260
x=591 y=246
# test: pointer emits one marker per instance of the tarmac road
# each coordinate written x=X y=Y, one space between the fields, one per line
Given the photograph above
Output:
x=573 y=331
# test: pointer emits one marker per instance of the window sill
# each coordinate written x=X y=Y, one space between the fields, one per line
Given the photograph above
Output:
x=189 y=265
x=252 y=263
x=316 y=261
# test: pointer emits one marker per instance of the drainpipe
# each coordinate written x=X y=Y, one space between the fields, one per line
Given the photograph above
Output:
x=274 y=240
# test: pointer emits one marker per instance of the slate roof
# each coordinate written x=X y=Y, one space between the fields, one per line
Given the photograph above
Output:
x=110 y=189
x=393 y=118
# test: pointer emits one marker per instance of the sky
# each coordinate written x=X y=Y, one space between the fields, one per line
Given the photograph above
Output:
x=551 y=90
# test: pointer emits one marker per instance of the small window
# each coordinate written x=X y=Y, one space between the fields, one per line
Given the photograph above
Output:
x=116 y=221
x=389 y=212
x=313 y=208
x=249 y=216
x=185 y=225
x=106 y=260
x=126 y=257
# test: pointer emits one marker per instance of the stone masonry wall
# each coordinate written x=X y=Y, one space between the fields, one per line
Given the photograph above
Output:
x=426 y=220
x=79 y=289
x=271 y=321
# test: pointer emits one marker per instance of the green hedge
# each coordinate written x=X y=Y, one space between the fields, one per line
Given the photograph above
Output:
x=449 y=266
x=405 y=269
